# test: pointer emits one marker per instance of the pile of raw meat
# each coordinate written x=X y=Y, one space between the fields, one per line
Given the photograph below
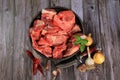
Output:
x=53 y=34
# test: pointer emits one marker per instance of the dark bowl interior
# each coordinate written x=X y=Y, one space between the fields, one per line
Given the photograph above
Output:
x=78 y=21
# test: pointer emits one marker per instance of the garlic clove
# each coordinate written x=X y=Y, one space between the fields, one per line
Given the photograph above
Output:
x=89 y=61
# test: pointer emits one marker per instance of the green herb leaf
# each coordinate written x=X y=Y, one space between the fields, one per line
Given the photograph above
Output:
x=83 y=41
x=82 y=48
x=77 y=42
x=77 y=37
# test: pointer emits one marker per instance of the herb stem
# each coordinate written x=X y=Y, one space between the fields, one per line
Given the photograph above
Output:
x=88 y=52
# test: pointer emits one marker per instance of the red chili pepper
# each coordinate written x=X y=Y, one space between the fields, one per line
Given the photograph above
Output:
x=40 y=69
x=36 y=63
x=30 y=55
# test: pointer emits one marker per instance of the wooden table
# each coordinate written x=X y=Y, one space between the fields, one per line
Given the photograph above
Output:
x=100 y=17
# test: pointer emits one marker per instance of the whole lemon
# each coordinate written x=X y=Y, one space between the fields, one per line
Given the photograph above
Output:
x=99 y=57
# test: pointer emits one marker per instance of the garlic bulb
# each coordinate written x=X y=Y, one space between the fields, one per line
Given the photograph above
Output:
x=89 y=60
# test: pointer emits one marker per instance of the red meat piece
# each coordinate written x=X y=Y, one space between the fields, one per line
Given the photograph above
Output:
x=71 y=47
x=47 y=15
x=75 y=29
x=50 y=29
x=58 y=51
x=39 y=24
x=34 y=43
x=65 y=20
x=45 y=50
x=56 y=39
x=44 y=42
x=71 y=51
x=35 y=33
x=61 y=32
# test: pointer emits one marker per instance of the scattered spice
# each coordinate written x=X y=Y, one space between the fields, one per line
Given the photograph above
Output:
x=48 y=65
x=90 y=67
x=59 y=70
x=82 y=68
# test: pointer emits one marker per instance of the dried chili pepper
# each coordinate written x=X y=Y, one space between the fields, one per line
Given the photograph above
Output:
x=30 y=55
x=36 y=63
x=40 y=69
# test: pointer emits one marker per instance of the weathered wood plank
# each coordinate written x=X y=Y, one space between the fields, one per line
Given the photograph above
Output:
x=1 y=41
x=43 y=4
x=19 y=32
x=77 y=7
x=91 y=19
x=61 y=3
x=104 y=34
x=92 y=25
x=1 y=35
x=68 y=73
x=109 y=20
x=28 y=62
x=6 y=39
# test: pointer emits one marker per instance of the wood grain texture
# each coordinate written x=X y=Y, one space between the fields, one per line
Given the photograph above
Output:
x=109 y=19
x=100 y=17
x=28 y=19
x=61 y=3
x=6 y=39
x=77 y=7
x=91 y=25
x=19 y=32
x=104 y=33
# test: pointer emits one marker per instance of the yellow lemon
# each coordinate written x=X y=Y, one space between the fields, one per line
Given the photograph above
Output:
x=99 y=57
